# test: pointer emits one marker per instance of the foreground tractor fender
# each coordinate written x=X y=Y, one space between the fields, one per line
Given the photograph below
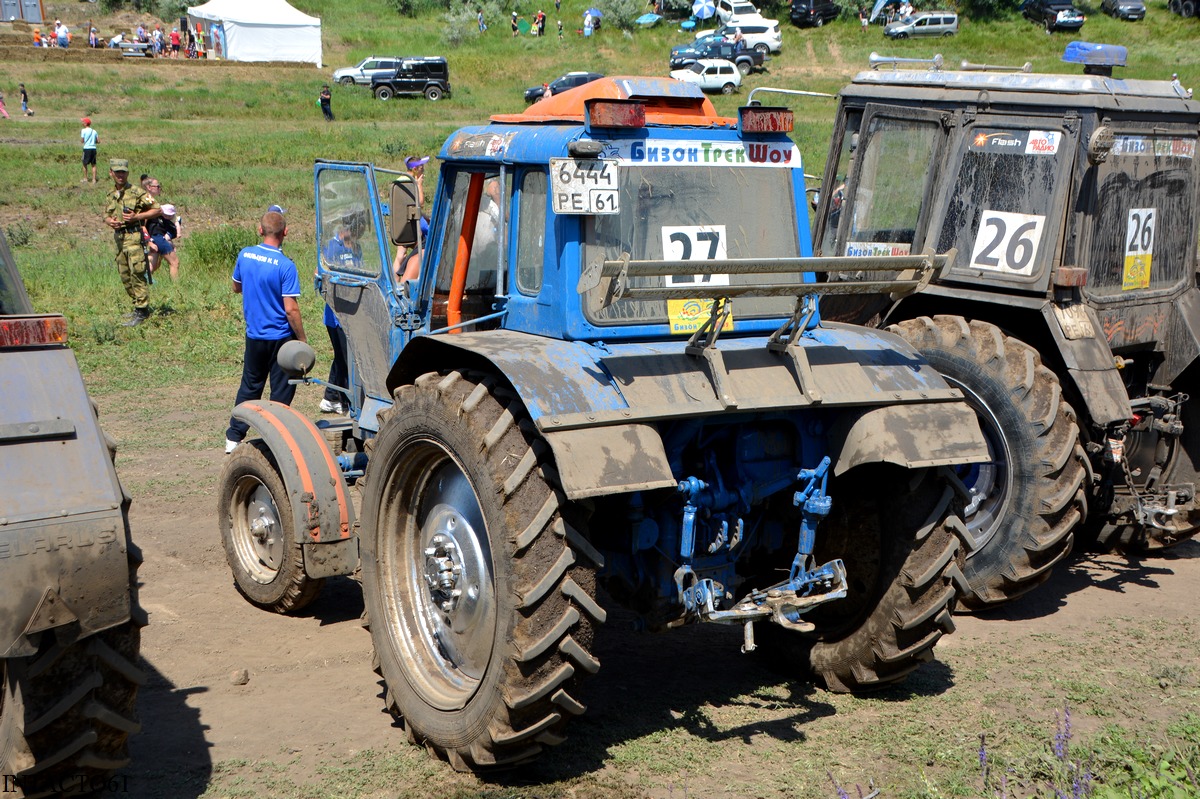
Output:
x=322 y=514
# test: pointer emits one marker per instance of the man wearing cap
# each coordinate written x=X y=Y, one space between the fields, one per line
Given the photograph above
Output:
x=270 y=289
x=128 y=207
x=88 y=136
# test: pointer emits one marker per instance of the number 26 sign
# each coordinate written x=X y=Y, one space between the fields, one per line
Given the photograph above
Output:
x=1007 y=243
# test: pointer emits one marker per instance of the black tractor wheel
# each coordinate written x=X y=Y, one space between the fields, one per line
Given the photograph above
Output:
x=478 y=581
x=1023 y=505
x=257 y=531
x=903 y=548
x=433 y=94
x=383 y=92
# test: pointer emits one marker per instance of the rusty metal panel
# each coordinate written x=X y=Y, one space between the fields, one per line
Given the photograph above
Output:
x=83 y=560
x=610 y=460
x=59 y=476
x=912 y=436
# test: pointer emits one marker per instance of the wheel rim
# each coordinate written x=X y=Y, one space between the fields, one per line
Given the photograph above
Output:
x=258 y=536
x=988 y=484
x=436 y=573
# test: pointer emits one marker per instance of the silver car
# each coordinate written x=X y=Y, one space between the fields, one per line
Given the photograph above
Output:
x=923 y=23
x=366 y=69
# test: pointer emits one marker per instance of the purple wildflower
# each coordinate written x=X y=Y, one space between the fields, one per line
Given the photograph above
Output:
x=1062 y=733
x=840 y=791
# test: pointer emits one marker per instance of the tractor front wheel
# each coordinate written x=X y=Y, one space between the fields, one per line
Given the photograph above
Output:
x=479 y=584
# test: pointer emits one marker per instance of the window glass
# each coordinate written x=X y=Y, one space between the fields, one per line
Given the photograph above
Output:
x=1143 y=230
x=1003 y=198
x=838 y=189
x=345 y=225
x=371 y=65
x=531 y=232
x=480 y=286
x=699 y=213
x=896 y=167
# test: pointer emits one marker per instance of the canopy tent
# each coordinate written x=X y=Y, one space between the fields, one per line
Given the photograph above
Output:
x=265 y=30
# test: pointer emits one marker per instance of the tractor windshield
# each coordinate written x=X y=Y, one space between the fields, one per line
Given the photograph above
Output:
x=1144 y=230
x=694 y=213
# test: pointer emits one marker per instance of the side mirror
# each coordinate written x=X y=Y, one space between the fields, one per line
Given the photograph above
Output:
x=402 y=223
x=296 y=358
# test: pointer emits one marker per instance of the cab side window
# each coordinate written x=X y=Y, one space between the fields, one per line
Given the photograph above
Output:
x=531 y=232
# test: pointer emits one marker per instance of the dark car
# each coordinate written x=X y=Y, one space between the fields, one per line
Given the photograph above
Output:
x=1132 y=10
x=568 y=81
x=1054 y=15
x=427 y=75
x=814 y=13
x=746 y=59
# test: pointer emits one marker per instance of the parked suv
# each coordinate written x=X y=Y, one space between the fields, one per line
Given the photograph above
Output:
x=568 y=81
x=747 y=60
x=1054 y=15
x=923 y=23
x=728 y=9
x=759 y=34
x=814 y=13
x=428 y=75
x=367 y=69
x=1132 y=10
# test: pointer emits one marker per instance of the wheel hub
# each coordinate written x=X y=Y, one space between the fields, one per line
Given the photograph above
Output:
x=442 y=572
x=455 y=566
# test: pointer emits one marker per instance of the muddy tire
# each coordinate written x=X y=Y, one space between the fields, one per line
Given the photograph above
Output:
x=459 y=499
x=257 y=532
x=1025 y=503
x=904 y=549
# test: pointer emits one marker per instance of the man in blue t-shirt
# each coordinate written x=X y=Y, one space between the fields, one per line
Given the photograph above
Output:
x=270 y=288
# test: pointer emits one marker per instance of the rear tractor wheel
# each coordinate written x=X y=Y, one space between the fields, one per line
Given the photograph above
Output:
x=1024 y=504
x=479 y=583
x=903 y=548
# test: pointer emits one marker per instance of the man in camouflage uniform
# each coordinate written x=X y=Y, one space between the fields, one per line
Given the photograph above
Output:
x=128 y=207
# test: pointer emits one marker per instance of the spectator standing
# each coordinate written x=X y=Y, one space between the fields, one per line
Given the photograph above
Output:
x=127 y=209
x=560 y=32
x=175 y=38
x=24 y=100
x=515 y=28
x=37 y=37
x=3 y=110
x=326 y=102
x=479 y=19
x=141 y=34
x=93 y=38
x=156 y=39
x=63 y=34
x=90 y=141
x=557 y=6
x=163 y=231
x=541 y=23
x=862 y=19
x=270 y=288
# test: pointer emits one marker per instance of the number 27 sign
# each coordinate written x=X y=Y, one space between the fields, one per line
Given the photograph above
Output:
x=1007 y=242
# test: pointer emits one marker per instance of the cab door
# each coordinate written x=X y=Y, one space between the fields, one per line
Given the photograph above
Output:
x=355 y=278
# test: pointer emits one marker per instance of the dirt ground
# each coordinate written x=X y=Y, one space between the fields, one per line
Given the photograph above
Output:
x=312 y=697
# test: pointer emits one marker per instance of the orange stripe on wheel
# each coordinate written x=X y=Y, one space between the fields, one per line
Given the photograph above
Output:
x=338 y=485
x=294 y=448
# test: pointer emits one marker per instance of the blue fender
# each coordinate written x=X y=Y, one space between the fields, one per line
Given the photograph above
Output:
x=320 y=504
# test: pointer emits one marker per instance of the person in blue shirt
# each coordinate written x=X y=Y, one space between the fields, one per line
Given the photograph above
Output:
x=343 y=252
x=270 y=289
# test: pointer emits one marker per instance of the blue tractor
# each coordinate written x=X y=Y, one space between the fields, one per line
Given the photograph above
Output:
x=608 y=383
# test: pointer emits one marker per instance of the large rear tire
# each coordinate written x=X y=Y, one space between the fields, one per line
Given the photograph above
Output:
x=258 y=532
x=903 y=549
x=478 y=582
x=1025 y=503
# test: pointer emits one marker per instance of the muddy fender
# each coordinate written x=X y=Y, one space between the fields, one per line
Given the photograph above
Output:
x=321 y=509
x=912 y=436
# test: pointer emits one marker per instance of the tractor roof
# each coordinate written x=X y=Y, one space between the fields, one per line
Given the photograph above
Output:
x=667 y=102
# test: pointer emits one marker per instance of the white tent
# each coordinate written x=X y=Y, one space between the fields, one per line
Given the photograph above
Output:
x=263 y=30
